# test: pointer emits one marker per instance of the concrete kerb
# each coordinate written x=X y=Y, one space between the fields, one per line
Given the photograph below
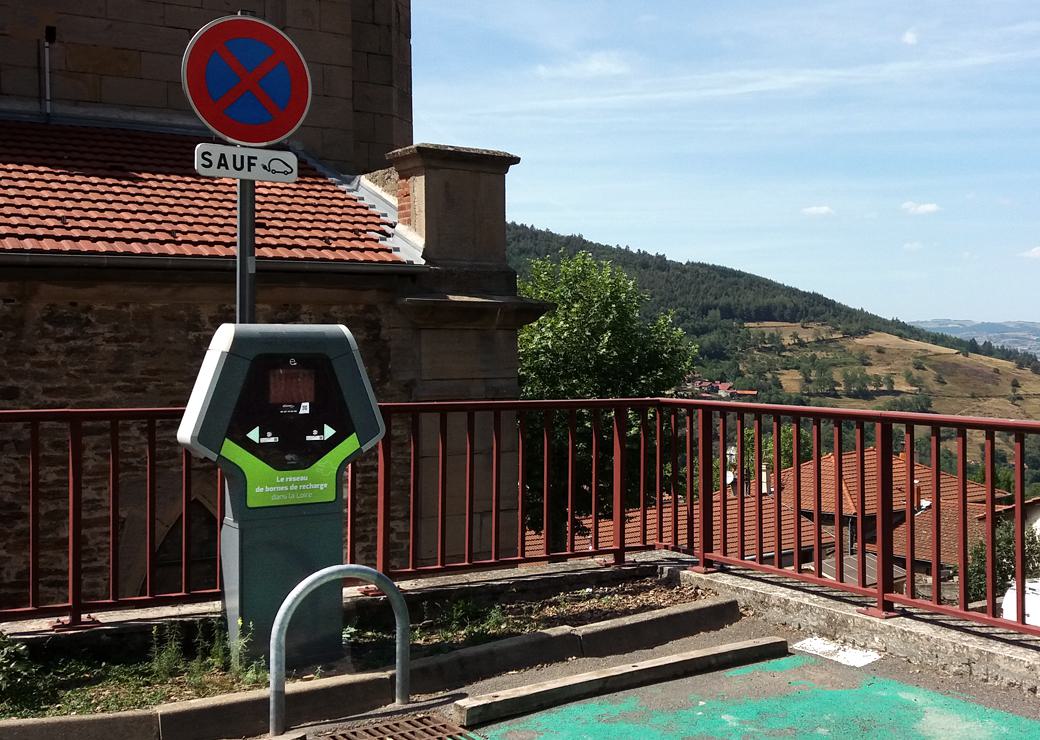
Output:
x=954 y=646
x=639 y=631
x=143 y=724
x=245 y=713
x=479 y=710
x=624 y=634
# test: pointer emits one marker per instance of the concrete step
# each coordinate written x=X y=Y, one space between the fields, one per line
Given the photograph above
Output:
x=479 y=710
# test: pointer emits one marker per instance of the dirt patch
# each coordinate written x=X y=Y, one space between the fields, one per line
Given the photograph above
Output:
x=462 y=622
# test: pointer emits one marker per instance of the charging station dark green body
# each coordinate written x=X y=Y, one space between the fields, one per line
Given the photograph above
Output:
x=282 y=409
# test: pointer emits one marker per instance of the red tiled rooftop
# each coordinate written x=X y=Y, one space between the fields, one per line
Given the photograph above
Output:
x=633 y=528
x=79 y=189
x=949 y=524
x=949 y=488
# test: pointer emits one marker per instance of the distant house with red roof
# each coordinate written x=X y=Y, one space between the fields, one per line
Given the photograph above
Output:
x=700 y=388
x=927 y=512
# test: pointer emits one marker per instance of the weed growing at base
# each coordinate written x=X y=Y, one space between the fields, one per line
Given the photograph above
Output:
x=185 y=661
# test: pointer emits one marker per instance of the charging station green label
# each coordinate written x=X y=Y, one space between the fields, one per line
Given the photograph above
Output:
x=266 y=486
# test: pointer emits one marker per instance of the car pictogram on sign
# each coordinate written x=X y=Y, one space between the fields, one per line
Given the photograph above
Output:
x=277 y=167
x=246 y=80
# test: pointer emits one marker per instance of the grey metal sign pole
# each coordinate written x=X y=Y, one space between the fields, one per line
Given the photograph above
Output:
x=245 y=257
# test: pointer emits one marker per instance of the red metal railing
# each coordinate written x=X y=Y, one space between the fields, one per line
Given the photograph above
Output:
x=102 y=506
x=45 y=533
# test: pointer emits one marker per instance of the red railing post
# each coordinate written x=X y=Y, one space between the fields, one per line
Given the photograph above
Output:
x=861 y=506
x=113 y=511
x=839 y=514
x=796 y=493
x=75 y=523
x=706 y=515
x=383 y=479
x=149 y=509
x=546 y=480
x=442 y=488
x=571 y=463
x=521 y=514
x=467 y=550
x=989 y=457
x=594 y=485
x=778 y=534
x=221 y=493
x=883 y=441
x=620 y=430
x=739 y=482
x=642 y=476
x=674 y=481
x=1020 y=525
x=413 y=491
x=723 y=488
x=185 y=522
x=659 y=474
x=351 y=512
x=75 y=569
x=496 y=478
x=34 y=514
x=962 y=518
x=689 y=483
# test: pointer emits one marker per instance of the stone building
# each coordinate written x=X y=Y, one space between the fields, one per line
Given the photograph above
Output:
x=117 y=263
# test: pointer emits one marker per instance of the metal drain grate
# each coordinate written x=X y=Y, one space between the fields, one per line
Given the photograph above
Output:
x=422 y=727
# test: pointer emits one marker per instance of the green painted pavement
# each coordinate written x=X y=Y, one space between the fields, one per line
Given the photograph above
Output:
x=877 y=708
x=771 y=666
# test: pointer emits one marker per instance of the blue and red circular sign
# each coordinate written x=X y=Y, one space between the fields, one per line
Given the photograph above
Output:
x=246 y=80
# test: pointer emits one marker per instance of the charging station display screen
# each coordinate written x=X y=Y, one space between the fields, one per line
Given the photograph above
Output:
x=290 y=385
x=290 y=411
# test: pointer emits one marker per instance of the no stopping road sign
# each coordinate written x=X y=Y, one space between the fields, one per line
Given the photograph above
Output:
x=246 y=80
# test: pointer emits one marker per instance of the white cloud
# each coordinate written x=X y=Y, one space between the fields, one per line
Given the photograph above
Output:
x=818 y=211
x=920 y=209
x=909 y=37
x=1033 y=254
x=596 y=64
x=913 y=246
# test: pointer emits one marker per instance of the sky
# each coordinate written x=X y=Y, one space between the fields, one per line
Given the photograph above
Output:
x=885 y=154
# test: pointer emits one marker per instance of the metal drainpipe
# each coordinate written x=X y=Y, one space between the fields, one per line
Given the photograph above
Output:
x=297 y=595
x=50 y=35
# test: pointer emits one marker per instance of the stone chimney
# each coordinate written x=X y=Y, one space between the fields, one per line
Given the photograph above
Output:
x=454 y=199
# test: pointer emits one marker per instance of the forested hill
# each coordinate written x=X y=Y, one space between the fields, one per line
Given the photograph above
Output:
x=696 y=291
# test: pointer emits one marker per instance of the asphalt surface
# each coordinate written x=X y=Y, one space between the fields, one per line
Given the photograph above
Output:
x=799 y=696
x=816 y=682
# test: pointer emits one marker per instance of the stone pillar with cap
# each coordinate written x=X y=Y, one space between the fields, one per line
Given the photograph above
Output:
x=458 y=333
x=454 y=199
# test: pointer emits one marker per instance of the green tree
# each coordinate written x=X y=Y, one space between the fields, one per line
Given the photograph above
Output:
x=595 y=343
x=1005 y=561
x=856 y=383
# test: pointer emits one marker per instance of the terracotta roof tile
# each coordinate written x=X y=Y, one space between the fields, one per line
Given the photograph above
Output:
x=633 y=528
x=114 y=191
x=948 y=484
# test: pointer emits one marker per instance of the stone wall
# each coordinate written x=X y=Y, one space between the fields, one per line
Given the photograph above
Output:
x=121 y=59
x=119 y=338
x=74 y=341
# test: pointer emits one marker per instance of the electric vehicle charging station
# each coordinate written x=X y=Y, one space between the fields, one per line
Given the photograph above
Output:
x=282 y=409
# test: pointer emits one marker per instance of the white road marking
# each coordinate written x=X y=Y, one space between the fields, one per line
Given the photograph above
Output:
x=835 y=651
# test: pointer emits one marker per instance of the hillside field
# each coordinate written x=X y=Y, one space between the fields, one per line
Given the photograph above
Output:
x=973 y=385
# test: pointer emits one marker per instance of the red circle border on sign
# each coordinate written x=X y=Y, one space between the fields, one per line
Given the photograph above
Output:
x=193 y=76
